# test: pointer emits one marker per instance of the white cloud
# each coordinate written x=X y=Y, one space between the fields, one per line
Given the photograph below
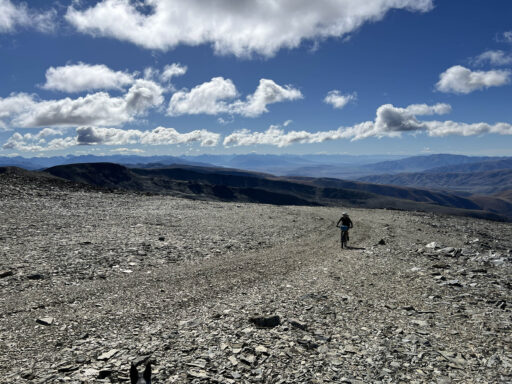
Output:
x=459 y=79
x=208 y=98
x=13 y=16
x=213 y=98
x=128 y=150
x=159 y=136
x=276 y=136
x=445 y=128
x=173 y=70
x=85 y=77
x=424 y=109
x=338 y=100
x=239 y=27
x=14 y=104
x=507 y=37
x=38 y=142
x=97 y=108
x=267 y=92
x=45 y=139
x=144 y=94
x=493 y=57
x=390 y=121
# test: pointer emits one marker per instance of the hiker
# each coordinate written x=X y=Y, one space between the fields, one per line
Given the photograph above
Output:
x=345 y=220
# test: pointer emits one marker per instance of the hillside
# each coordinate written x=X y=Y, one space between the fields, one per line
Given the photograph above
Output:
x=234 y=185
x=244 y=293
x=506 y=195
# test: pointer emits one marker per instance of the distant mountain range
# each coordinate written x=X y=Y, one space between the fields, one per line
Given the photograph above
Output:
x=234 y=185
x=340 y=166
x=464 y=176
x=484 y=177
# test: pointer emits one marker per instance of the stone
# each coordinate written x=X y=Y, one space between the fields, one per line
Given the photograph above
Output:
x=45 y=320
x=381 y=242
x=248 y=359
x=6 y=273
x=420 y=323
x=297 y=324
x=35 y=276
x=200 y=363
x=198 y=374
x=260 y=349
x=107 y=355
x=266 y=321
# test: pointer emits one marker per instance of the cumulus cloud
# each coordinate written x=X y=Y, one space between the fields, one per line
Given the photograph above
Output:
x=459 y=79
x=39 y=142
x=96 y=109
x=85 y=77
x=505 y=37
x=338 y=100
x=214 y=97
x=88 y=135
x=45 y=139
x=390 y=121
x=275 y=135
x=14 y=104
x=13 y=16
x=445 y=128
x=173 y=70
x=267 y=92
x=208 y=98
x=424 y=109
x=232 y=27
x=493 y=57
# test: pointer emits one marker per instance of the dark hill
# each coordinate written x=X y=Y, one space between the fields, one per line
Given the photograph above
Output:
x=414 y=194
x=234 y=185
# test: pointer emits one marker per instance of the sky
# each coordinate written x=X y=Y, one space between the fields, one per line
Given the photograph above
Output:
x=176 y=77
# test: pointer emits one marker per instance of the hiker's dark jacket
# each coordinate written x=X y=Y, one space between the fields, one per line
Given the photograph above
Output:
x=345 y=221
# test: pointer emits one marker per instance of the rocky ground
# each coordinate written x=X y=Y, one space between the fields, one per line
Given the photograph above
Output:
x=243 y=293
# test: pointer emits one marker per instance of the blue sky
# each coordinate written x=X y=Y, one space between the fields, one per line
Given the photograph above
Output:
x=181 y=77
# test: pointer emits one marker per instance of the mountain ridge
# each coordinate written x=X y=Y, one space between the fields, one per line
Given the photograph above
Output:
x=234 y=185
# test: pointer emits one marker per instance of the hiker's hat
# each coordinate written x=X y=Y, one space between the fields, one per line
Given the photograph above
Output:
x=344 y=214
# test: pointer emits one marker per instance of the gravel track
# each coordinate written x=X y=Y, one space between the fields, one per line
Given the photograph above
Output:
x=175 y=282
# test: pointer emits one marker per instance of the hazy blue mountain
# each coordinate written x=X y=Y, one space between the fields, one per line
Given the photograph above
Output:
x=276 y=164
x=488 y=165
x=422 y=163
x=45 y=162
x=487 y=182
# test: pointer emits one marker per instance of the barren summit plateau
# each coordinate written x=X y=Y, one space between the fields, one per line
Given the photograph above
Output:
x=91 y=281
